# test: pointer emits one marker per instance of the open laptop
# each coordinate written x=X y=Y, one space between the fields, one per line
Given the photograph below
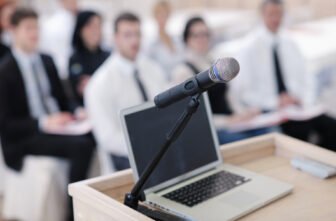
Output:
x=191 y=179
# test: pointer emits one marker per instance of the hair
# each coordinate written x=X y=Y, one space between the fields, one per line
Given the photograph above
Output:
x=83 y=18
x=266 y=2
x=161 y=4
x=4 y=3
x=21 y=14
x=126 y=16
x=190 y=23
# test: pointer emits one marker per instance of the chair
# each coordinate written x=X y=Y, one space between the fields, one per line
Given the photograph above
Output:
x=38 y=192
x=105 y=161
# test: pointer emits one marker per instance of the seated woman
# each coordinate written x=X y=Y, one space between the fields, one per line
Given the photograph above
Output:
x=88 y=54
x=196 y=37
x=165 y=49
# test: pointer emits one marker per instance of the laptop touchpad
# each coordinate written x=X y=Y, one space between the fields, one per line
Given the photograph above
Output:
x=239 y=199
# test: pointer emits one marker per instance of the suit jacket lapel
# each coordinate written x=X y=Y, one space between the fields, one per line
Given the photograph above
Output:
x=18 y=83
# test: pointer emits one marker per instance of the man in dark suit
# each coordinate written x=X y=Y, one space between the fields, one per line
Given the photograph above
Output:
x=32 y=101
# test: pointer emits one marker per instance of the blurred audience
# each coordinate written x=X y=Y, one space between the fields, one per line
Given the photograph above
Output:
x=166 y=50
x=57 y=34
x=124 y=80
x=40 y=104
x=88 y=54
x=197 y=39
x=7 y=8
x=273 y=77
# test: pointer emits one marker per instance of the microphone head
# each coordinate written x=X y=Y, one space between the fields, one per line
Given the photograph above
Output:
x=224 y=70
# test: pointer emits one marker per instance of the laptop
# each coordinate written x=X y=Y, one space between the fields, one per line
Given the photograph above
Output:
x=192 y=180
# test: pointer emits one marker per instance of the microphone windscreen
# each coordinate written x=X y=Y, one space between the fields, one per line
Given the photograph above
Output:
x=224 y=70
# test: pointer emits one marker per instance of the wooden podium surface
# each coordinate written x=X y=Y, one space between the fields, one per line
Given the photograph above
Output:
x=313 y=199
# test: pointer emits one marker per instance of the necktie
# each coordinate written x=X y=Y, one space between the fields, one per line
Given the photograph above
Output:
x=41 y=92
x=140 y=85
x=278 y=72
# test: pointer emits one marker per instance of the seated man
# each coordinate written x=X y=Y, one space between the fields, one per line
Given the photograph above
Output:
x=126 y=79
x=32 y=101
x=273 y=77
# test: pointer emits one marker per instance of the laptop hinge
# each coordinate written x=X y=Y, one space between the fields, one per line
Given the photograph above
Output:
x=181 y=181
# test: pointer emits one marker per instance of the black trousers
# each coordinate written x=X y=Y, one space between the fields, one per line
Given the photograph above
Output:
x=77 y=150
x=323 y=125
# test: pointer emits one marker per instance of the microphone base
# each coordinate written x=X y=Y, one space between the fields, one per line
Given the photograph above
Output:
x=158 y=214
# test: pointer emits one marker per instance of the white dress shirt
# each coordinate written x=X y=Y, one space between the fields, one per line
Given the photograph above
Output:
x=112 y=89
x=256 y=84
x=167 y=58
x=25 y=62
x=56 y=37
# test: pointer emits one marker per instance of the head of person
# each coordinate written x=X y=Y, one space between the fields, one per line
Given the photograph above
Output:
x=70 y=5
x=25 y=29
x=7 y=8
x=196 y=35
x=162 y=11
x=272 y=12
x=88 y=31
x=127 y=35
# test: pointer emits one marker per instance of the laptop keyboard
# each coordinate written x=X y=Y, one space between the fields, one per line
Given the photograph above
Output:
x=206 y=188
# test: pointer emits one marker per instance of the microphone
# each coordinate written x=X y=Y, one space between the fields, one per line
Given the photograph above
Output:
x=222 y=71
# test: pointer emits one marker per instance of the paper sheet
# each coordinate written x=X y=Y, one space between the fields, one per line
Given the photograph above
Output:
x=278 y=117
x=72 y=129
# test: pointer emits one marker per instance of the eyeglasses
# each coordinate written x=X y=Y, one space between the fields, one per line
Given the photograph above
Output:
x=200 y=35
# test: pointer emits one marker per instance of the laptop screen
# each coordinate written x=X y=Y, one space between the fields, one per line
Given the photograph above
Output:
x=194 y=149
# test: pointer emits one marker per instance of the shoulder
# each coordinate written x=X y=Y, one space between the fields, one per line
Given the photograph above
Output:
x=145 y=60
x=75 y=55
x=75 y=59
x=104 y=73
x=149 y=66
x=107 y=53
x=287 y=39
x=47 y=58
x=7 y=63
x=4 y=48
x=181 y=72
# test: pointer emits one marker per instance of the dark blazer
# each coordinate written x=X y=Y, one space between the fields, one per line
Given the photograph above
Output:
x=16 y=123
x=4 y=50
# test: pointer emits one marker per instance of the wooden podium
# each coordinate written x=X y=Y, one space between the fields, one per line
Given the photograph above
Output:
x=313 y=199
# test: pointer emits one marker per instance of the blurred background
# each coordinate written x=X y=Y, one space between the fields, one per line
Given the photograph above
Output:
x=310 y=23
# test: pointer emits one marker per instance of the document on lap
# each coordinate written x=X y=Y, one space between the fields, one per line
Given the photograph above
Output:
x=275 y=118
x=71 y=129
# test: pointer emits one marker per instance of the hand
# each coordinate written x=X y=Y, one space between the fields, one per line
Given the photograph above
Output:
x=81 y=114
x=83 y=82
x=286 y=100
x=58 y=120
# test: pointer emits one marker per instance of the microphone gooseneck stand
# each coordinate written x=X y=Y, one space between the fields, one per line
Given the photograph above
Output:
x=132 y=199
